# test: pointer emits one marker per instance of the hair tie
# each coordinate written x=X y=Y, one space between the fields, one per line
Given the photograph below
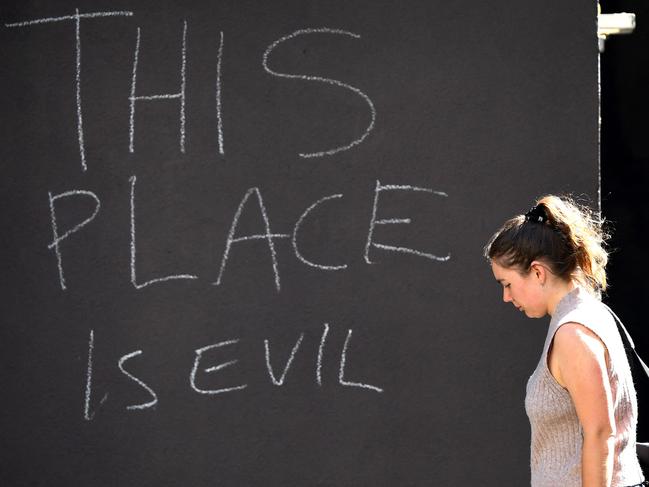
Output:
x=536 y=214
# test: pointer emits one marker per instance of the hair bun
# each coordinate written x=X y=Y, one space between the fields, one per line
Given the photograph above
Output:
x=537 y=214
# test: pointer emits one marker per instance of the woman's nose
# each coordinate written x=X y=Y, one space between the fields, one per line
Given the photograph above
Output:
x=506 y=296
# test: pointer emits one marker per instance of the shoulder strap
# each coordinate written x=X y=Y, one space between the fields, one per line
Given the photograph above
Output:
x=628 y=341
x=626 y=338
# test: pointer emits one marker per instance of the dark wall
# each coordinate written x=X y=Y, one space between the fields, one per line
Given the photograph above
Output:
x=244 y=315
x=625 y=172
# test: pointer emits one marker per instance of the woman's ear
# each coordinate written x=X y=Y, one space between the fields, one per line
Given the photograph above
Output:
x=539 y=272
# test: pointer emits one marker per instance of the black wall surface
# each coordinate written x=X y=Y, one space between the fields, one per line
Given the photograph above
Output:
x=625 y=175
x=152 y=345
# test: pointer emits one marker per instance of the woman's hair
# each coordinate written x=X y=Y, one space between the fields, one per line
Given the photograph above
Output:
x=564 y=235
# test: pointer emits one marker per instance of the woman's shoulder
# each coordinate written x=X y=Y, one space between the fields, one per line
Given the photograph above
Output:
x=586 y=323
x=575 y=340
x=585 y=308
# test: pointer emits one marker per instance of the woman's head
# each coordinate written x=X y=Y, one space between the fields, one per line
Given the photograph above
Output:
x=556 y=241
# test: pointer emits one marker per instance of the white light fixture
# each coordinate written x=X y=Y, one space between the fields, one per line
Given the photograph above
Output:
x=613 y=24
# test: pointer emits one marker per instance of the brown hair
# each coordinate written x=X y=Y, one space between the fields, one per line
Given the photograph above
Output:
x=571 y=241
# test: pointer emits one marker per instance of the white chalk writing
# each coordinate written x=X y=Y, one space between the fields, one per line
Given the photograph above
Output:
x=219 y=114
x=324 y=30
x=197 y=359
x=154 y=399
x=77 y=31
x=392 y=221
x=56 y=239
x=87 y=415
x=165 y=96
x=132 y=179
x=267 y=235
x=341 y=374
x=298 y=254
x=280 y=381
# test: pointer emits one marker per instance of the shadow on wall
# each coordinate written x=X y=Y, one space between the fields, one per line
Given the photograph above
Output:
x=625 y=174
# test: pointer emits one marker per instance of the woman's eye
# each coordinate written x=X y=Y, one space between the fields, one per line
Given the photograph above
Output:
x=507 y=285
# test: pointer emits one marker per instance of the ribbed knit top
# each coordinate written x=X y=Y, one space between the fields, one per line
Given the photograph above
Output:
x=557 y=435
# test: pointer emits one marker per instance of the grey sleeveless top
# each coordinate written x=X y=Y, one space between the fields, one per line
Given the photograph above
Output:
x=557 y=435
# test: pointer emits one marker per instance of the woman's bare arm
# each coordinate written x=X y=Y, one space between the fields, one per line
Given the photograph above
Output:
x=582 y=361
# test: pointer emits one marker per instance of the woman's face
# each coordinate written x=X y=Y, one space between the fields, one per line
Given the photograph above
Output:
x=522 y=290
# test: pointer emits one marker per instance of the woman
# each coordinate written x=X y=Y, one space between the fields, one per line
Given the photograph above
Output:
x=580 y=400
